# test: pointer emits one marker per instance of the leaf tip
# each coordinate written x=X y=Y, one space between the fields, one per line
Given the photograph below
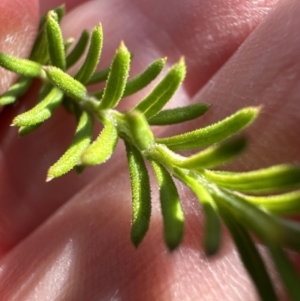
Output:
x=49 y=178
x=52 y=15
x=99 y=26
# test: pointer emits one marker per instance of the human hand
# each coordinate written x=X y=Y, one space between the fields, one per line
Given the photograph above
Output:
x=83 y=251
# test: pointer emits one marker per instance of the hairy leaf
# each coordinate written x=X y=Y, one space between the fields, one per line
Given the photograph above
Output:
x=15 y=91
x=20 y=66
x=103 y=147
x=179 y=115
x=213 y=133
x=145 y=78
x=42 y=111
x=25 y=130
x=251 y=258
x=56 y=48
x=60 y=12
x=39 y=51
x=97 y=77
x=44 y=90
x=286 y=203
x=91 y=61
x=287 y=273
x=212 y=229
x=117 y=78
x=133 y=85
x=163 y=92
x=68 y=43
x=170 y=205
x=78 y=49
x=268 y=228
x=212 y=235
x=141 y=194
x=291 y=230
x=215 y=155
x=80 y=143
x=66 y=83
x=263 y=180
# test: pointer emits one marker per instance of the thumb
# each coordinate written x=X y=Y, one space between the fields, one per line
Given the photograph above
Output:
x=18 y=25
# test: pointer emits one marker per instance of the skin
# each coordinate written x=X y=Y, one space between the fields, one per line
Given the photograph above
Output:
x=69 y=239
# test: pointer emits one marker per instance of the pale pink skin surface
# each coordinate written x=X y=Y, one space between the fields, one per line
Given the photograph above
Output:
x=67 y=240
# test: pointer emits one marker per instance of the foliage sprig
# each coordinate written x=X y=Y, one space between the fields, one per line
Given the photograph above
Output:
x=232 y=197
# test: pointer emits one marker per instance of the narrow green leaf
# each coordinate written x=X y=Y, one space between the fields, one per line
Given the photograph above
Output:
x=145 y=78
x=97 y=77
x=179 y=115
x=91 y=61
x=269 y=228
x=44 y=90
x=286 y=203
x=20 y=66
x=15 y=91
x=42 y=111
x=162 y=154
x=117 y=78
x=212 y=228
x=24 y=130
x=140 y=132
x=163 y=92
x=66 y=83
x=39 y=51
x=251 y=258
x=270 y=179
x=291 y=230
x=100 y=76
x=103 y=147
x=80 y=143
x=68 y=43
x=78 y=49
x=141 y=194
x=60 y=12
x=55 y=40
x=286 y=271
x=69 y=105
x=213 y=133
x=215 y=155
x=170 y=205
x=72 y=107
